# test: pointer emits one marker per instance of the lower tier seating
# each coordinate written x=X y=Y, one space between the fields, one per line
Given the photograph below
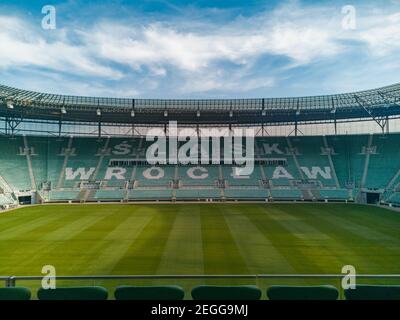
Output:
x=206 y=292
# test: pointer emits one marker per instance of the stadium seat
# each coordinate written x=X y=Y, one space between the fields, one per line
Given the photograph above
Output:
x=226 y=293
x=373 y=292
x=15 y=293
x=70 y=170
x=73 y=293
x=149 y=293
x=302 y=293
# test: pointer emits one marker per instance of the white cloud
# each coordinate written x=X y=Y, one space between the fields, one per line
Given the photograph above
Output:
x=22 y=46
x=222 y=81
x=382 y=33
x=160 y=44
x=197 y=56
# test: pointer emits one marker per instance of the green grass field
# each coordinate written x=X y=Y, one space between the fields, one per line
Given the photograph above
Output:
x=199 y=239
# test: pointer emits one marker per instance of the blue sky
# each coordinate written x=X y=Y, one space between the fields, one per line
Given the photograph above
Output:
x=200 y=49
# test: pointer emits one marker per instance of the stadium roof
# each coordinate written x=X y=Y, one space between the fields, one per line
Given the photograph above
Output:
x=376 y=103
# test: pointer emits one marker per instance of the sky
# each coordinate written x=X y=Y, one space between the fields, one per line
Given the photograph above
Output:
x=200 y=49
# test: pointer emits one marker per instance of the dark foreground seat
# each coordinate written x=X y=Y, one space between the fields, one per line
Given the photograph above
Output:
x=149 y=293
x=73 y=293
x=302 y=293
x=15 y=293
x=373 y=292
x=226 y=293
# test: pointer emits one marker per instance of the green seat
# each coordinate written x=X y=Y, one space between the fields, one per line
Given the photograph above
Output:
x=73 y=293
x=149 y=293
x=226 y=293
x=15 y=293
x=302 y=293
x=373 y=292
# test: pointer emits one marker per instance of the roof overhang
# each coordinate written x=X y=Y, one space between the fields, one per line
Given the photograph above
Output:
x=382 y=102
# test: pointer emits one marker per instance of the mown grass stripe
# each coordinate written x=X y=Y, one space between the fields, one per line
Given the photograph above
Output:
x=260 y=255
x=382 y=223
x=87 y=239
x=183 y=252
x=140 y=239
x=291 y=247
x=145 y=253
x=221 y=254
x=116 y=243
x=351 y=247
x=314 y=241
x=49 y=241
x=26 y=226
x=51 y=249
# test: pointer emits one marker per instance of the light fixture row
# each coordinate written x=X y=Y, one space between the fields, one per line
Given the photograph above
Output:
x=133 y=114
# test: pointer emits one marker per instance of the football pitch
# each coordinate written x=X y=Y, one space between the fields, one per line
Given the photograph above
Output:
x=197 y=239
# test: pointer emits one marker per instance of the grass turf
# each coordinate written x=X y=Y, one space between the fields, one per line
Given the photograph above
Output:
x=199 y=239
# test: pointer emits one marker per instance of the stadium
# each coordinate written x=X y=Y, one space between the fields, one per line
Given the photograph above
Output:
x=79 y=194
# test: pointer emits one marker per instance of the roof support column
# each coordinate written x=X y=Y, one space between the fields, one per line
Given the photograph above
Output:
x=295 y=119
x=335 y=124
x=99 y=130
x=11 y=124
x=387 y=125
x=59 y=127
x=264 y=131
x=132 y=116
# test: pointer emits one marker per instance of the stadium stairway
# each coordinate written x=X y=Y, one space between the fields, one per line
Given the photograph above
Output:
x=328 y=151
x=4 y=185
x=13 y=164
x=67 y=153
x=28 y=151
x=293 y=152
x=316 y=194
x=367 y=152
x=383 y=170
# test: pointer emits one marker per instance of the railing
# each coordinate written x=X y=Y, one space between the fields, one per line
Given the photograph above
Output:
x=11 y=280
x=259 y=279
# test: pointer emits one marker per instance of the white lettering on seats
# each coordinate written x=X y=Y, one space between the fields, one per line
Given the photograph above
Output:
x=235 y=176
x=315 y=171
x=70 y=174
x=270 y=149
x=154 y=173
x=281 y=173
x=116 y=172
x=192 y=173
x=122 y=149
